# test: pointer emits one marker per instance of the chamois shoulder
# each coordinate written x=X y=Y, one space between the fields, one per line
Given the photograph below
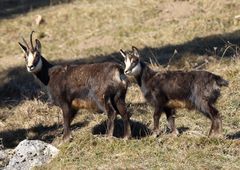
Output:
x=56 y=68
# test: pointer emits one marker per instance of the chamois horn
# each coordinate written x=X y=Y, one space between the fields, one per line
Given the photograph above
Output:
x=31 y=39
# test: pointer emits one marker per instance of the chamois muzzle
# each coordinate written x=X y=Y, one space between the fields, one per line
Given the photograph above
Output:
x=31 y=67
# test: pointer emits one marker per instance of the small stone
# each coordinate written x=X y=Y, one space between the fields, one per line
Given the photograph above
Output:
x=39 y=20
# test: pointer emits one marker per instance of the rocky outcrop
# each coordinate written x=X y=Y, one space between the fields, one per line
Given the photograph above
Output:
x=31 y=153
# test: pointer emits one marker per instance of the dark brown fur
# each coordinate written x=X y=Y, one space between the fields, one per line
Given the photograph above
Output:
x=166 y=91
x=98 y=87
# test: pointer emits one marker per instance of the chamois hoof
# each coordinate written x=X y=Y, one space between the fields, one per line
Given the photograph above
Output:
x=156 y=134
x=175 y=133
x=216 y=135
x=127 y=137
x=66 y=139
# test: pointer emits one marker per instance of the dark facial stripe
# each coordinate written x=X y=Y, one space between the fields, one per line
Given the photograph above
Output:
x=36 y=60
x=133 y=64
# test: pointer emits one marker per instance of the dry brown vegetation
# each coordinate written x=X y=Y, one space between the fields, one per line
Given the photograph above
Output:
x=205 y=34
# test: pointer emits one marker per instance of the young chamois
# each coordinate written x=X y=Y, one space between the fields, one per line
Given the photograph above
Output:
x=99 y=87
x=169 y=90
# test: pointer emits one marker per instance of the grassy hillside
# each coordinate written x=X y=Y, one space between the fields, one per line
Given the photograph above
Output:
x=175 y=34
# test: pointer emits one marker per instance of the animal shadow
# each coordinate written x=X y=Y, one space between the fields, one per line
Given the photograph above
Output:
x=139 y=130
x=234 y=136
x=182 y=129
x=11 y=138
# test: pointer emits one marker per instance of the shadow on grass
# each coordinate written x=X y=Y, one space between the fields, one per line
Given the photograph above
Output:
x=11 y=138
x=213 y=45
x=234 y=136
x=17 y=84
x=182 y=129
x=218 y=45
x=9 y=8
x=139 y=130
x=138 y=104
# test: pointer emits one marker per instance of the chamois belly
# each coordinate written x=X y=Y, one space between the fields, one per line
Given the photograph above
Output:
x=179 y=104
x=86 y=104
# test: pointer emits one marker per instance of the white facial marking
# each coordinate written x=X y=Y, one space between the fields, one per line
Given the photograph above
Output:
x=128 y=64
x=134 y=71
x=30 y=60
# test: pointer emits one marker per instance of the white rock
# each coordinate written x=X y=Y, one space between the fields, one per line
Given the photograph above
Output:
x=39 y=20
x=31 y=153
x=3 y=155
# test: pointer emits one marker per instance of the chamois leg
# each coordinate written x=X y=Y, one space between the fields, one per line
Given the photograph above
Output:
x=111 y=113
x=121 y=107
x=156 y=116
x=212 y=113
x=67 y=117
x=216 y=127
x=171 y=114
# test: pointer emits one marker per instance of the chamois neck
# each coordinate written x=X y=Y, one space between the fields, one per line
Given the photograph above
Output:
x=43 y=74
x=145 y=74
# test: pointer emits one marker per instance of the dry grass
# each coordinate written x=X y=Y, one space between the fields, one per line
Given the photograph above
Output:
x=89 y=31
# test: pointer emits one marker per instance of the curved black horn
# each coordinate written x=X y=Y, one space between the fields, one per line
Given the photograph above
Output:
x=31 y=40
x=25 y=42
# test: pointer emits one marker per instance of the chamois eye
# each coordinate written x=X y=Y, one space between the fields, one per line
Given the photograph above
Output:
x=134 y=62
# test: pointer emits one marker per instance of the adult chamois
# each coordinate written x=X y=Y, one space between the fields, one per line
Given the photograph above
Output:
x=99 y=87
x=169 y=90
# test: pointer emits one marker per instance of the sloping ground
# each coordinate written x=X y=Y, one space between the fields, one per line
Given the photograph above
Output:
x=203 y=34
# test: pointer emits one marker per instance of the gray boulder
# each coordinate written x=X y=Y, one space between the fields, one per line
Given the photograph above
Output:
x=31 y=153
x=3 y=155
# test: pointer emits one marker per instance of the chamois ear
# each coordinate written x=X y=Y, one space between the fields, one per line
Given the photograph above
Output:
x=135 y=51
x=24 y=48
x=38 y=45
x=123 y=53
